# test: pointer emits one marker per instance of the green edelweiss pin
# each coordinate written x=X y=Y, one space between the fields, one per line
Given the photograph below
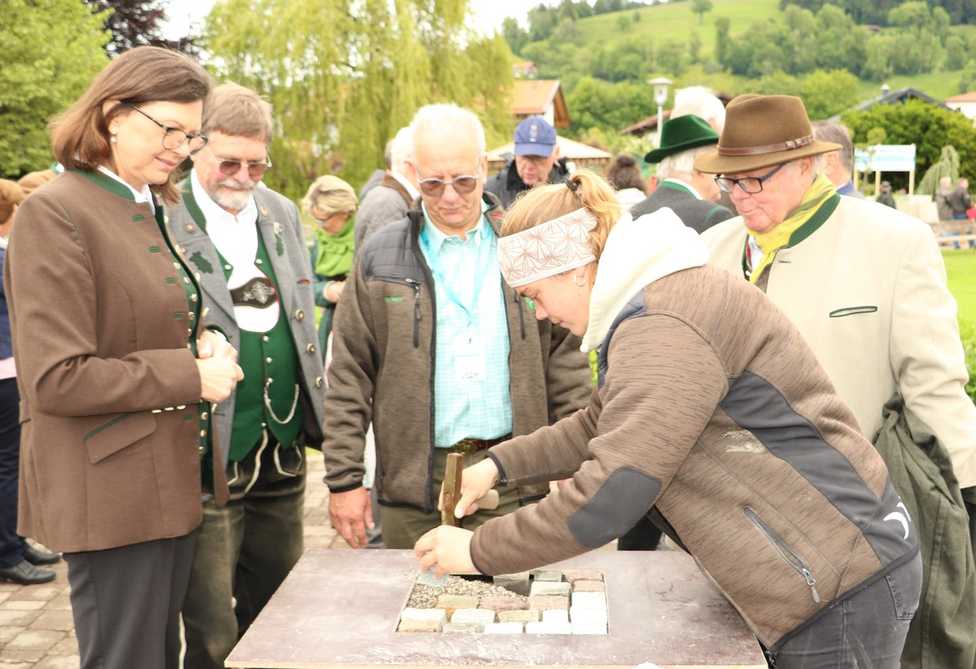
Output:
x=279 y=242
x=202 y=263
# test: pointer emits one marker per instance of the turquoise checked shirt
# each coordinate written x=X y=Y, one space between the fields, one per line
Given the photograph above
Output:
x=471 y=379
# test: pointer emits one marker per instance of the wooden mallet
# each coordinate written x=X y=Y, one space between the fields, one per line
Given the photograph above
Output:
x=451 y=491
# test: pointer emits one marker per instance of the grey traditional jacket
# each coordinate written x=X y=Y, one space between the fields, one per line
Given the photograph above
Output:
x=279 y=226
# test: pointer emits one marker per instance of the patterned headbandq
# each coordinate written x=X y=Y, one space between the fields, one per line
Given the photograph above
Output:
x=547 y=249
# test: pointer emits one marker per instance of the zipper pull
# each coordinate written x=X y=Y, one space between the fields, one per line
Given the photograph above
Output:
x=812 y=582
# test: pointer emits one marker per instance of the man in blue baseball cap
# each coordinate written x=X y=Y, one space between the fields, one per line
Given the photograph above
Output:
x=536 y=161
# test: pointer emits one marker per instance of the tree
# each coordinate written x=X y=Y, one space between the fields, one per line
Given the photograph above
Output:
x=695 y=47
x=599 y=104
x=701 y=7
x=722 y=27
x=826 y=93
x=136 y=23
x=946 y=166
x=344 y=78
x=928 y=127
x=513 y=33
x=956 y=53
x=671 y=58
x=53 y=48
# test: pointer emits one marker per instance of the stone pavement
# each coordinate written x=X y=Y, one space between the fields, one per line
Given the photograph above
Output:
x=36 y=629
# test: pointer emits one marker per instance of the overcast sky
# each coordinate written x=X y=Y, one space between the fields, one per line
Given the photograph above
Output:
x=183 y=15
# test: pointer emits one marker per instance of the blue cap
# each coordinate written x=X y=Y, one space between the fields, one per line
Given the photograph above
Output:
x=534 y=137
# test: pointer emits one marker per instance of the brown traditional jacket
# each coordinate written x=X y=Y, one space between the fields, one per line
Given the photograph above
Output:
x=109 y=387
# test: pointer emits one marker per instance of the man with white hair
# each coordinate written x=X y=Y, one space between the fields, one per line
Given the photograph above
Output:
x=389 y=200
x=433 y=347
x=691 y=194
x=701 y=102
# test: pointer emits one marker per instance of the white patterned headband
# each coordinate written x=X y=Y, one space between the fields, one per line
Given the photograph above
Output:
x=547 y=249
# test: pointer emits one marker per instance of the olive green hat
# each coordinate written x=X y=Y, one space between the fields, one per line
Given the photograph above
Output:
x=680 y=134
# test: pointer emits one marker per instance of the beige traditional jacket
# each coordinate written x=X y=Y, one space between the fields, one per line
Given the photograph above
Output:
x=867 y=290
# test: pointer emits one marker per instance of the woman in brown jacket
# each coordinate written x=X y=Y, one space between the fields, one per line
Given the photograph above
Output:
x=115 y=385
x=713 y=414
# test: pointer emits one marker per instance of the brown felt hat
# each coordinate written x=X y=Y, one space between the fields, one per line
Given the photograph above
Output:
x=762 y=131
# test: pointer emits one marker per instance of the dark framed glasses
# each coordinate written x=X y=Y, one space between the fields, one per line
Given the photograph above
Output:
x=174 y=138
x=751 y=185
x=462 y=185
x=255 y=169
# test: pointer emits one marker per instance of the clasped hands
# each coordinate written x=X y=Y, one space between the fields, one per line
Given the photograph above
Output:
x=217 y=364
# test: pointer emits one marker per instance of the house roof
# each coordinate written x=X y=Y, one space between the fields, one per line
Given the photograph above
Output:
x=897 y=96
x=965 y=97
x=531 y=97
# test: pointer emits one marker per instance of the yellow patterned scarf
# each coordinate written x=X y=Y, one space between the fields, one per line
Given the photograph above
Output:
x=770 y=242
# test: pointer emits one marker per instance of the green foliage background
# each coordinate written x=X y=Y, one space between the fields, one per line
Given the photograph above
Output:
x=52 y=49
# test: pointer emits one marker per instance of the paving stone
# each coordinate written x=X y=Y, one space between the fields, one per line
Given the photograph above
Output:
x=59 y=603
x=590 y=600
x=504 y=628
x=503 y=603
x=15 y=665
x=18 y=618
x=23 y=604
x=4 y=596
x=34 y=640
x=589 y=628
x=548 y=628
x=543 y=602
x=31 y=655
x=9 y=632
x=477 y=616
x=540 y=588
x=54 y=620
x=517 y=583
x=67 y=646
x=589 y=586
x=555 y=616
x=39 y=593
x=439 y=615
x=453 y=602
x=521 y=616
x=576 y=614
x=59 y=662
x=546 y=575
x=469 y=628
x=419 y=626
x=573 y=575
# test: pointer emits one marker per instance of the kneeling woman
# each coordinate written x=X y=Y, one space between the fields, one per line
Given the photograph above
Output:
x=711 y=410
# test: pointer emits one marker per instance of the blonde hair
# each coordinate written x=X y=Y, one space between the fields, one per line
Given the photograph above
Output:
x=331 y=195
x=238 y=111
x=80 y=135
x=544 y=203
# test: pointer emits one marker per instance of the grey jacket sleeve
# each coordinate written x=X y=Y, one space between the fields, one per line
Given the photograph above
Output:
x=376 y=212
x=351 y=379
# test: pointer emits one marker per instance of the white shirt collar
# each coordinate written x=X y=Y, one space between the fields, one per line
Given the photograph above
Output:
x=214 y=212
x=414 y=193
x=143 y=196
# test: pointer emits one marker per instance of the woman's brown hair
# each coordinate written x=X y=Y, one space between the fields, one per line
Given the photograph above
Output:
x=80 y=136
x=624 y=173
x=544 y=203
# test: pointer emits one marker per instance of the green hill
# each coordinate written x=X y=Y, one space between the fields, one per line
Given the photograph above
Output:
x=675 y=22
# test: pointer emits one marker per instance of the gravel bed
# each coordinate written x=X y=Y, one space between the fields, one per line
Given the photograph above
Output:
x=425 y=596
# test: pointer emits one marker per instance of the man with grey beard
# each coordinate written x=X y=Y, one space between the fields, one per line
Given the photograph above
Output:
x=247 y=248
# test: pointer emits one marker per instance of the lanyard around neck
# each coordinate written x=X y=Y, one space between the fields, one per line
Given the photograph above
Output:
x=483 y=268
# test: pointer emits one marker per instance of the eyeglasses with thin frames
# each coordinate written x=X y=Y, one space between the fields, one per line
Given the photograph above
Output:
x=462 y=185
x=229 y=167
x=174 y=138
x=750 y=185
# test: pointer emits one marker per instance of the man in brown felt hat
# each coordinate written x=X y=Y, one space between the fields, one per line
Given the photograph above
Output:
x=866 y=286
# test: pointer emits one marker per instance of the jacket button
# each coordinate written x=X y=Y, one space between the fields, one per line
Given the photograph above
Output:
x=299 y=315
x=189 y=227
x=318 y=381
x=310 y=348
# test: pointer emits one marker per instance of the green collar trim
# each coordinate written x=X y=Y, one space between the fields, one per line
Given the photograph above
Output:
x=676 y=186
x=191 y=205
x=106 y=182
x=819 y=218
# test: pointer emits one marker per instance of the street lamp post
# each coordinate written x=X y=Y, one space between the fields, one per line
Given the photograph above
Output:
x=661 y=85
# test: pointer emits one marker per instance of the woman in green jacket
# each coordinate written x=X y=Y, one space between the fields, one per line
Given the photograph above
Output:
x=332 y=203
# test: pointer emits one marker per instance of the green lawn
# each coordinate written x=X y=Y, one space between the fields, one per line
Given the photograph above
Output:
x=961 y=268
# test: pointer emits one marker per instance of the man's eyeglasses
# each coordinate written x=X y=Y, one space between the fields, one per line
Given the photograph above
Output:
x=751 y=185
x=255 y=169
x=462 y=185
x=174 y=138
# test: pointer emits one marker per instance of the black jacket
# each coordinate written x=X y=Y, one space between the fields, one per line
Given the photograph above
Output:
x=696 y=214
x=507 y=184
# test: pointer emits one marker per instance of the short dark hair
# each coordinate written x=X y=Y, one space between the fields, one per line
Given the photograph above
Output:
x=80 y=135
x=624 y=173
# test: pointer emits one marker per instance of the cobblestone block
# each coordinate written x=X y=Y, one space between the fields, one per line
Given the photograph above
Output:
x=543 y=602
x=540 y=588
x=24 y=604
x=476 y=616
x=17 y=618
x=590 y=600
x=504 y=628
x=573 y=575
x=555 y=616
x=522 y=616
x=419 y=626
x=469 y=628
x=35 y=640
x=9 y=632
x=439 y=615
x=546 y=575
x=589 y=586
x=54 y=620
x=500 y=603
x=453 y=602
x=576 y=614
